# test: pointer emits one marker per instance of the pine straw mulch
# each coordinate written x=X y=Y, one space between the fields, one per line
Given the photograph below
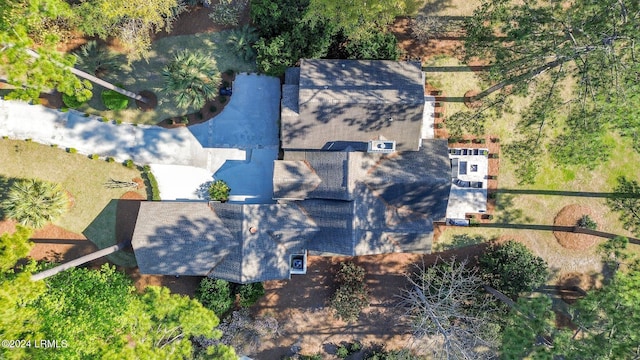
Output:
x=569 y=216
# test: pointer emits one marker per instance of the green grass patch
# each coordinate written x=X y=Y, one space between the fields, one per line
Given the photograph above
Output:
x=82 y=177
x=146 y=75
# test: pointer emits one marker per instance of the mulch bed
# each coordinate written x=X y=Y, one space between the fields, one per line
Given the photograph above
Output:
x=569 y=216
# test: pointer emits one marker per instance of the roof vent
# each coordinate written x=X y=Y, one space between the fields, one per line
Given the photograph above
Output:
x=298 y=263
x=381 y=146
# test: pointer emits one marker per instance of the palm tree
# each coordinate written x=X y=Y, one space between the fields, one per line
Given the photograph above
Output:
x=35 y=203
x=95 y=59
x=193 y=77
x=242 y=40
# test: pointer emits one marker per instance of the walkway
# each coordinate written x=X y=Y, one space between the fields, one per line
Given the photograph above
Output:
x=177 y=157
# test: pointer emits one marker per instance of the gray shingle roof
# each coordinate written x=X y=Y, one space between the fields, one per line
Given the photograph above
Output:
x=366 y=226
x=354 y=101
x=419 y=181
x=294 y=179
x=238 y=243
x=331 y=167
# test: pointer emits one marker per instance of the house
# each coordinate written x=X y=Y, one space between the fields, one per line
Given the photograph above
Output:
x=331 y=104
x=356 y=178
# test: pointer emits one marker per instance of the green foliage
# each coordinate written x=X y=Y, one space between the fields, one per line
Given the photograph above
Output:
x=103 y=308
x=242 y=41
x=583 y=50
x=374 y=45
x=94 y=156
x=72 y=150
x=35 y=203
x=71 y=101
x=215 y=295
x=613 y=251
x=587 y=222
x=14 y=247
x=130 y=21
x=95 y=59
x=607 y=319
x=227 y=12
x=512 y=269
x=21 y=29
x=355 y=19
x=250 y=293
x=352 y=295
x=151 y=183
x=110 y=159
x=192 y=77
x=114 y=100
x=129 y=163
x=219 y=191
x=626 y=201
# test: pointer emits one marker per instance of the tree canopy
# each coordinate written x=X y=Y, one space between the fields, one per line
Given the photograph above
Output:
x=584 y=48
x=626 y=201
x=512 y=269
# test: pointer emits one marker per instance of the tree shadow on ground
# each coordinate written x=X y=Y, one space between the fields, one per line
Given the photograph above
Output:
x=507 y=212
x=102 y=232
x=459 y=241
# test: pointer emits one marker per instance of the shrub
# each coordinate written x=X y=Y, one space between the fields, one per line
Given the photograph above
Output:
x=439 y=125
x=153 y=191
x=118 y=122
x=94 y=156
x=5 y=137
x=129 y=163
x=351 y=297
x=586 y=222
x=227 y=12
x=71 y=101
x=72 y=150
x=219 y=191
x=342 y=352
x=215 y=295
x=113 y=100
x=213 y=108
x=250 y=293
x=35 y=203
x=512 y=268
x=64 y=109
x=184 y=120
x=54 y=145
x=104 y=120
x=28 y=140
x=223 y=99
x=109 y=159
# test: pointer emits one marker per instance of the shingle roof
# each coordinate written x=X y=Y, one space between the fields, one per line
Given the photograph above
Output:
x=366 y=226
x=180 y=238
x=419 y=181
x=235 y=242
x=331 y=167
x=354 y=101
x=294 y=179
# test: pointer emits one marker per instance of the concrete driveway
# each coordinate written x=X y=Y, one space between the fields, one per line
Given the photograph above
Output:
x=250 y=122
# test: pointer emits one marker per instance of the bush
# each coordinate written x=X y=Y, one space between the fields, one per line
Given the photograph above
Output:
x=342 y=352
x=113 y=100
x=512 y=268
x=94 y=156
x=28 y=140
x=250 y=293
x=110 y=159
x=219 y=191
x=5 y=137
x=72 y=150
x=586 y=222
x=352 y=295
x=153 y=191
x=71 y=101
x=129 y=164
x=54 y=145
x=223 y=99
x=215 y=295
x=213 y=108
x=184 y=120
x=118 y=122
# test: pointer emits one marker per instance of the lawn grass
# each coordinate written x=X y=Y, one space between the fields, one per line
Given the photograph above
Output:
x=146 y=75
x=538 y=208
x=82 y=177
